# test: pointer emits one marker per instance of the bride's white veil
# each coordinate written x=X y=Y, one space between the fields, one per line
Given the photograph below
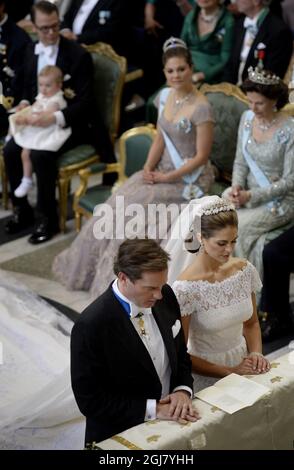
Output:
x=186 y=226
x=35 y=388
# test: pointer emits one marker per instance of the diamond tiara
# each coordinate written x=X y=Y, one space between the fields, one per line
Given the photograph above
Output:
x=174 y=42
x=263 y=78
x=216 y=207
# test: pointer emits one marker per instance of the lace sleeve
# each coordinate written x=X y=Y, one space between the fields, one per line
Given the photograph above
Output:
x=181 y=291
x=256 y=283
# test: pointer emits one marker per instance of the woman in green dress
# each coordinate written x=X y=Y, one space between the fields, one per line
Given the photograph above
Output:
x=208 y=33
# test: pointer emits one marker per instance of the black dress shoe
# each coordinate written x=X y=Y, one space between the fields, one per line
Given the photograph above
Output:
x=20 y=220
x=42 y=233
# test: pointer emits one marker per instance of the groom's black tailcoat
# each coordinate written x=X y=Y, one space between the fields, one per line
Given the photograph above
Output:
x=112 y=372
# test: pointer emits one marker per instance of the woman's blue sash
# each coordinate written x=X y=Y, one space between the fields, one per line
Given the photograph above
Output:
x=191 y=190
x=261 y=179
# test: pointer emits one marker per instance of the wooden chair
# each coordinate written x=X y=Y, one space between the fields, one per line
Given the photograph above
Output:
x=134 y=146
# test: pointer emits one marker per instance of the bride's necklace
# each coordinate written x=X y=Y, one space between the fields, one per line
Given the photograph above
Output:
x=209 y=18
x=265 y=127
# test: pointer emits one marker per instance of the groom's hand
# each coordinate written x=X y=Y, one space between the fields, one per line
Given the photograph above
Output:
x=177 y=406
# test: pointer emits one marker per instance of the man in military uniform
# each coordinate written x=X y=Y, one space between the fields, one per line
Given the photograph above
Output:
x=13 y=42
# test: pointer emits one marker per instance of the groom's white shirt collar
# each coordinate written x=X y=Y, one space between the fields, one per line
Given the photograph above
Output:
x=134 y=308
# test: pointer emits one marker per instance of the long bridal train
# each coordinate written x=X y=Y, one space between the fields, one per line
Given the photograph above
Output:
x=37 y=409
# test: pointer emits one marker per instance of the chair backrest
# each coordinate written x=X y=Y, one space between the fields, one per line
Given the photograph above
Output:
x=134 y=145
x=109 y=77
x=228 y=103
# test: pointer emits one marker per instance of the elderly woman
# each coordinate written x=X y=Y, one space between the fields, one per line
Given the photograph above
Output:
x=263 y=173
x=208 y=33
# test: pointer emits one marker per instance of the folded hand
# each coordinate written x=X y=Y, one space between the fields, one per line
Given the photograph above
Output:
x=177 y=406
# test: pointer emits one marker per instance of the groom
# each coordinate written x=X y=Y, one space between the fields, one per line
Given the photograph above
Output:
x=129 y=362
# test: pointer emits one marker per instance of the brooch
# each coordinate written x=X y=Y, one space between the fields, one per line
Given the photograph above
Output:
x=220 y=35
x=185 y=125
x=282 y=137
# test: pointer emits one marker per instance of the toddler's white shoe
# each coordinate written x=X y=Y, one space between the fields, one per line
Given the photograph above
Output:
x=24 y=187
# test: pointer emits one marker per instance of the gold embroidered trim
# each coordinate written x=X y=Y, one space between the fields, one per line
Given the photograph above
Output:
x=213 y=409
x=276 y=379
x=153 y=438
x=274 y=365
x=125 y=442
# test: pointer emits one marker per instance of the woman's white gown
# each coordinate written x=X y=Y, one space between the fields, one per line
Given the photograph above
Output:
x=37 y=406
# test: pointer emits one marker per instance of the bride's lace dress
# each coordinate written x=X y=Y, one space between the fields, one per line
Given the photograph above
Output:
x=218 y=311
x=37 y=406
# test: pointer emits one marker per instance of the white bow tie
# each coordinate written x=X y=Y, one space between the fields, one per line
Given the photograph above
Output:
x=49 y=51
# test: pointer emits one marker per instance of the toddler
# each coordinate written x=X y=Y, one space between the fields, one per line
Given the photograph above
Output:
x=24 y=123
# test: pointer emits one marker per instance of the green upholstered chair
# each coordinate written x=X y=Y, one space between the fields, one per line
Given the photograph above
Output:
x=109 y=78
x=228 y=103
x=134 y=146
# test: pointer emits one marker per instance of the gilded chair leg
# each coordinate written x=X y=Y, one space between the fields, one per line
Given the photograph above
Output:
x=78 y=221
x=63 y=185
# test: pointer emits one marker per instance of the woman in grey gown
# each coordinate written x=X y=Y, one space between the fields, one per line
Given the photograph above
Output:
x=176 y=169
x=263 y=174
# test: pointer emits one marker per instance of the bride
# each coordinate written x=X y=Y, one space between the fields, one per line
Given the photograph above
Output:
x=216 y=293
x=37 y=407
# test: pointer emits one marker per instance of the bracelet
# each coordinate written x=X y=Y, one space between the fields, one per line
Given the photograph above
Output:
x=253 y=353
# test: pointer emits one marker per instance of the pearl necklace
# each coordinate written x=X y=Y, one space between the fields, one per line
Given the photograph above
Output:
x=209 y=18
x=265 y=127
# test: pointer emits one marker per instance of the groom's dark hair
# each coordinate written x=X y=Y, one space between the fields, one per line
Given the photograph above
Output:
x=137 y=256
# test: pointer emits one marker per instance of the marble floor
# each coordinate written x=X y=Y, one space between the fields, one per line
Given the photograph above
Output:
x=76 y=300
